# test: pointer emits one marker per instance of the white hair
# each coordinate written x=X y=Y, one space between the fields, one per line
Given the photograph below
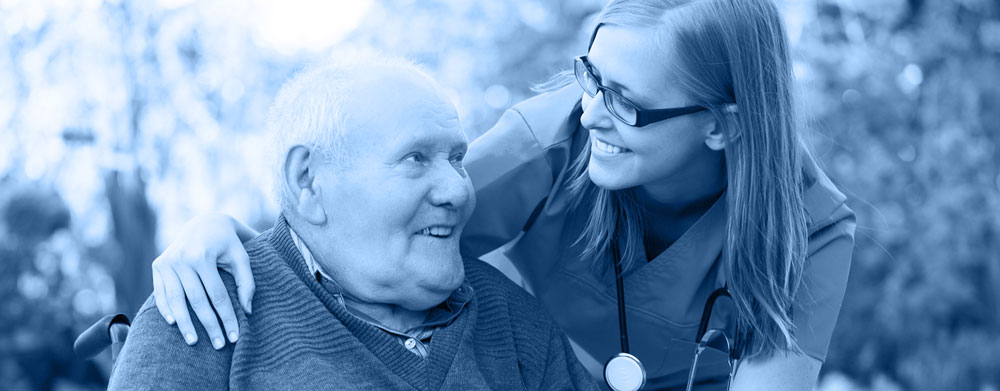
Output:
x=309 y=110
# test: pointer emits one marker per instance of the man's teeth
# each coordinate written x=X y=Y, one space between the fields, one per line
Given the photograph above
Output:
x=436 y=231
x=608 y=148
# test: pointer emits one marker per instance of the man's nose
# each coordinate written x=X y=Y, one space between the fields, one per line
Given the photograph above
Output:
x=451 y=187
x=595 y=113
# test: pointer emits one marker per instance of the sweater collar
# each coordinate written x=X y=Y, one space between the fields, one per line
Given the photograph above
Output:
x=440 y=315
x=422 y=374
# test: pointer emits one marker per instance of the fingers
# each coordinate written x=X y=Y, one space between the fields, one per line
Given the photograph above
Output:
x=177 y=304
x=219 y=297
x=160 y=295
x=202 y=308
x=238 y=264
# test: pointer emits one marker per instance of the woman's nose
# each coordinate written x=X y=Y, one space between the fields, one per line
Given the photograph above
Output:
x=595 y=112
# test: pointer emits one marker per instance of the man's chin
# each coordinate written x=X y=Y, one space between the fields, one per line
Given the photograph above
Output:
x=435 y=291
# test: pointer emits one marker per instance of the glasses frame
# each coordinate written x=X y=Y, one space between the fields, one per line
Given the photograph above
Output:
x=643 y=117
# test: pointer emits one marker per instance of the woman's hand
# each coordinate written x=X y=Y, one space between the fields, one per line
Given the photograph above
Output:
x=188 y=270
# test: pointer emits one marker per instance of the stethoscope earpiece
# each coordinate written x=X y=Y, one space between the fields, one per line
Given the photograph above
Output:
x=624 y=372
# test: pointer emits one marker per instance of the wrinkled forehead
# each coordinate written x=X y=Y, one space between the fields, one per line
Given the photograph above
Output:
x=393 y=106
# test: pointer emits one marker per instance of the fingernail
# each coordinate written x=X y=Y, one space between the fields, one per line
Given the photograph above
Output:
x=249 y=309
x=170 y=319
x=217 y=342
x=233 y=336
x=190 y=338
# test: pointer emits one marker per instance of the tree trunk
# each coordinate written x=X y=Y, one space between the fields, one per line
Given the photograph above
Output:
x=135 y=232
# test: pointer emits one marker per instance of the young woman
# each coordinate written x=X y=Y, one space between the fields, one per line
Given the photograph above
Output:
x=683 y=160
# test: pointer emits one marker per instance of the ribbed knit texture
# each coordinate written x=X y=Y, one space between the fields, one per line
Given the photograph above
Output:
x=300 y=338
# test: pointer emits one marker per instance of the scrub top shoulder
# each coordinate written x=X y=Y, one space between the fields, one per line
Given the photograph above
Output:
x=515 y=165
x=518 y=168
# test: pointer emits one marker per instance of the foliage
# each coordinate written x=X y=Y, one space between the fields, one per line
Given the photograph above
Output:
x=905 y=97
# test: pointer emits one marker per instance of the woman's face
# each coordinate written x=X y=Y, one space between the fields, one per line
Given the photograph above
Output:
x=663 y=154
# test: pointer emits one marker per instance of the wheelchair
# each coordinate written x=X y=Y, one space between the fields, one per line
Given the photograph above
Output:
x=110 y=331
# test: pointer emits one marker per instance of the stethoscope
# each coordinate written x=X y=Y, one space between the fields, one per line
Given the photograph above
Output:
x=624 y=372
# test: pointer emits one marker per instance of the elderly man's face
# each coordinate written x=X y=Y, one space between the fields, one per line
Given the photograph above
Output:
x=396 y=211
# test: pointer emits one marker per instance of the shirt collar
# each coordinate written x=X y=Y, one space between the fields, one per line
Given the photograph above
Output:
x=440 y=315
x=314 y=268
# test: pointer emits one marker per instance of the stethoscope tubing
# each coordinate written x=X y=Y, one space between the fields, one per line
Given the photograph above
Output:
x=620 y=288
x=702 y=326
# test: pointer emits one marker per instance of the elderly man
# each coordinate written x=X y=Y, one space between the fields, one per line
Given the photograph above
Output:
x=360 y=284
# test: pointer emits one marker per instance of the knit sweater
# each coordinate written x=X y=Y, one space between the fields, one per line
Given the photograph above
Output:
x=299 y=338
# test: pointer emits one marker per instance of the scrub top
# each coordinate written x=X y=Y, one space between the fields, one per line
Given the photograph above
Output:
x=519 y=168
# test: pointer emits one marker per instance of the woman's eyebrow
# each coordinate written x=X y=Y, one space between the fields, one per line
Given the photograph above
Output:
x=606 y=82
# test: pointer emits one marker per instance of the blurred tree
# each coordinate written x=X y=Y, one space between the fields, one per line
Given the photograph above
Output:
x=94 y=84
x=45 y=289
x=905 y=95
x=135 y=232
x=487 y=54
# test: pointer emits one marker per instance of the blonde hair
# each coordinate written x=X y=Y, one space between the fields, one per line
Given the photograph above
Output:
x=727 y=52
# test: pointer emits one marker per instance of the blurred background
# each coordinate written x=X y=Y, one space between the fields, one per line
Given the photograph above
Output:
x=119 y=121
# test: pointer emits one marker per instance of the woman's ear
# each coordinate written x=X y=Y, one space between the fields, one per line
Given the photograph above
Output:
x=715 y=137
x=304 y=195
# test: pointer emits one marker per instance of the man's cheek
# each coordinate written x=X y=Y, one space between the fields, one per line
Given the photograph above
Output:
x=471 y=205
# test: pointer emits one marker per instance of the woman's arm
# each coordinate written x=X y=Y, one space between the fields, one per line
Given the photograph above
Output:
x=187 y=273
x=780 y=372
x=508 y=168
x=512 y=166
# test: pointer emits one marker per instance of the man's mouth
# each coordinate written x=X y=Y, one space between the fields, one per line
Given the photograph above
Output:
x=437 y=231
x=607 y=148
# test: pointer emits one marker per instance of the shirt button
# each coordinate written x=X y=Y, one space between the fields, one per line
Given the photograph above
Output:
x=410 y=343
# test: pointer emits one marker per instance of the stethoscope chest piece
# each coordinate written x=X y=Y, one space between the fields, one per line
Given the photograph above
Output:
x=624 y=372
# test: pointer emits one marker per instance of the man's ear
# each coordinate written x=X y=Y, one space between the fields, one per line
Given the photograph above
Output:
x=304 y=194
x=715 y=138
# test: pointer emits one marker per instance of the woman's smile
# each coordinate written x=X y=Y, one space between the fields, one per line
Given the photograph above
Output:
x=603 y=148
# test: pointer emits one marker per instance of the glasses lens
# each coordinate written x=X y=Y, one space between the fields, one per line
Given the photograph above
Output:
x=621 y=107
x=584 y=77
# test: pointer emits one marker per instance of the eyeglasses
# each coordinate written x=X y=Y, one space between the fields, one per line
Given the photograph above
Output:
x=618 y=105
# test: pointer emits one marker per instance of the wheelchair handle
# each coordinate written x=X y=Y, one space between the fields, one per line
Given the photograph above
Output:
x=110 y=330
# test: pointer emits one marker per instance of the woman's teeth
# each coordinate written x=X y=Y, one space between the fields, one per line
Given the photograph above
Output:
x=608 y=148
x=436 y=231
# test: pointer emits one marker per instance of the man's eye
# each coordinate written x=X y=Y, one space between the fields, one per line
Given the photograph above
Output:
x=458 y=158
x=415 y=158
